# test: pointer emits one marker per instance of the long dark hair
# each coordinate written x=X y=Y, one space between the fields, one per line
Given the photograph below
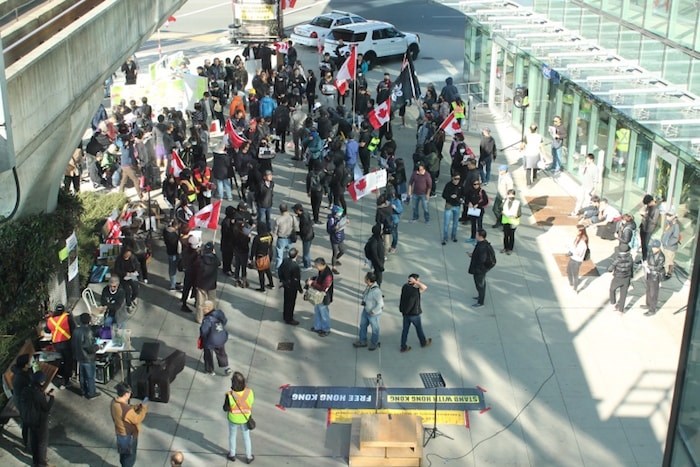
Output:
x=582 y=235
x=238 y=381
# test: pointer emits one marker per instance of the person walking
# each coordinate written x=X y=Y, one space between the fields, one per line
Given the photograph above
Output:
x=206 y=279
x=419 y=187
x=85 y=351
x=228 y=225
x=372 y=307
x=531 y=155
x=475 y=202
x=670 y=238
x=213 y=334
x=483 y=259
x=590 y=178
x=453 y=194
x=289 y=275
x=127 y=423
x=621 y=268
x=654 y=268
x=305 y=233
x=505 y=183
x=323 y=282
x=285 y=230
x=189 y=263
x=510 y=218
x=558 y=133
x=37 y=408
x=577 y=254
x=650 y=222
x=335 y=226
x=61 y=326
x=410 y=308
x=238 y=405
x=487 y=154
x=375 y=252
x=261 y=255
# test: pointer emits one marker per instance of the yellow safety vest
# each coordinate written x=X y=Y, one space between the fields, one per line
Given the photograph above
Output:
x=458 y=110
x=190 y=190
x=59 y=327
x=239 y=413
x=623 y=139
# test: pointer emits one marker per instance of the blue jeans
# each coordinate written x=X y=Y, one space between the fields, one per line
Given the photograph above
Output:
x=322 y=318
x=485 y=170
x=394 y=235
x=223 y=188
x=407 y=321
x=423 y=201
x=306 y=253
x=87 y=378
x=172 y=270
x=368 y=320
x=266 y=213
x=281 y=248
x=232 y=432
x=556 y=158
x=129 y=460
x=451 y=215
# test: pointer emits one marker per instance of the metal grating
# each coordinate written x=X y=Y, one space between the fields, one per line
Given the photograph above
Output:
x=285 y=346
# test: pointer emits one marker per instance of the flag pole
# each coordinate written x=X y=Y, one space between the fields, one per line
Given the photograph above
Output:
x=354 y=85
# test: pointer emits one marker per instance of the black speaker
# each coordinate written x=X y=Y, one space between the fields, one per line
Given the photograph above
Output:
x=521 y=99
x=173 y=364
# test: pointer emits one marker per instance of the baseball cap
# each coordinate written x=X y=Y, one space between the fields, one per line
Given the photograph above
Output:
x=503 y=168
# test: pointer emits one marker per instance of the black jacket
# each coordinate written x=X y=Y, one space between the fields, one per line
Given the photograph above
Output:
x=290 y=274
x=208 y=269
x=650 y=222
x=228 y=226
x=264 y=194
x=480 y=257
x=453 y=194
x=623 y=265
x=625 y=232
x=83 y=341
x=222 y=167
x=123 y=266
x=656 y=261
x=409 y=304
x=240 y=241
x=374 y=248
x=171 y=238
x=306 y=227
x=487 y=148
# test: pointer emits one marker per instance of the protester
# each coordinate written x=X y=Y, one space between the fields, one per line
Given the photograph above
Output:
x=372 y=307
x=419 y=187
x=206 y=282
x=213 y=334
x=505 y=183
x=113 y=301
x=410 y=308
x=289 y=275
x=21 y=379
x=261 y=255
x=335 y=226
x=285 y=230
x=85 y=351
x=323 y=282
x=127 y=424
x=454 y=197
x=38 y=406
x=305 y=233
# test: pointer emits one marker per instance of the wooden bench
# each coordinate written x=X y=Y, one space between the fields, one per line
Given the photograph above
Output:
x=10 y=410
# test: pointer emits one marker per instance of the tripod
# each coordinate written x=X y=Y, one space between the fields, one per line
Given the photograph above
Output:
x=436 y=381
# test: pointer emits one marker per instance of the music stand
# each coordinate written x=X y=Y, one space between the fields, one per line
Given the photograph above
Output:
x=433 y=381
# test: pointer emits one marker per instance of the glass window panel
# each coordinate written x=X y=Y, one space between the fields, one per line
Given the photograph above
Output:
x=616 y=166
x=688 y=211
x=590 y=22
x=657 y=15
x=694 y=83
x=634 y=11
x=640 y=173
x=609 y=34
x=676 y=66
x=652 y=54
x=583 y=122
x=684 y=22
x=630 y=44
x=614 y=7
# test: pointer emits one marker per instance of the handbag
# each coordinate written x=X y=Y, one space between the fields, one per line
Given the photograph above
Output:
x=262 y=262
x=124 y=444
x=249 y=422
x=314 y=296
x=200 y=343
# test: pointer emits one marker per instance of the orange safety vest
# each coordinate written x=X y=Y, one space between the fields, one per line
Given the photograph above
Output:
x=202 y=180
x=238 y=414
x=59 y=327
x=236 y=104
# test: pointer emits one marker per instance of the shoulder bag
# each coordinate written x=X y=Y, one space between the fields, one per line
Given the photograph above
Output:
x=250 y=423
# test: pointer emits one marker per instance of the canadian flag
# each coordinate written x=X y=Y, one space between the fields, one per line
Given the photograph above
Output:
x=380 y=114
x=207 y=217
x=288 y=4
x=346 y=72
x=176 y=164
x=282 y=47
x=367 y=184
x=234 y=138
x=450 y=125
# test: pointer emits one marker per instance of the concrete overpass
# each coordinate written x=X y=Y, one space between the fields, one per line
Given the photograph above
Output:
x=52 y=86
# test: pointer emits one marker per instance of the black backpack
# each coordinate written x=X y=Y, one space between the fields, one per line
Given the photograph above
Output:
x=490 y=257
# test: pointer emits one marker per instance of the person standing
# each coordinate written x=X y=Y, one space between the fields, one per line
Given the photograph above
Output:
x=577 y=254
x=372 y=307
x=238 y=405
x=61 y=326
x=240 y=243
x=510 y=218
x=410 y=308
x=190 y=264
x=505 y=183
x=127 y=423
x=289 y=275
x=650 y=222
x=531 y=154
x=654 y=268
x=38 y=406
x=483 y=259
x=263 y=198
x=206 y=279
x=22 y=379
x=557 y=132
x=305 y=233
x=487 y=154
x=621 y=268
x=335 y=226
x=228 y=225
x=419 y=187
x=375 y=252
x=590 y=177
x=454 y=197
x=670 y=238
x=171 y=239
x=213 y=334
x=85 y=351
x=323 y=281
x=285 y=231
x=475 y=200
x=261 y=255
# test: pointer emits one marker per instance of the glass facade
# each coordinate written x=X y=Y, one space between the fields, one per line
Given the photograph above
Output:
x=643 y=130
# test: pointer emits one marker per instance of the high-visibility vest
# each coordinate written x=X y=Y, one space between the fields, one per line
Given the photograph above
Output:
x=190 y=190
x=623 y=139
x=458 y=110
x=202 y=180
x=59 y=327
x=238 y=414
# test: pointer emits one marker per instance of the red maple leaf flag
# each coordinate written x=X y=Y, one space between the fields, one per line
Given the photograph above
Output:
x=346 y=72
x=282 y=47
x=176 y=164
x=450 y=125
x=207 y=217
x=380 y=114
x=367 y=184
x=234 y=138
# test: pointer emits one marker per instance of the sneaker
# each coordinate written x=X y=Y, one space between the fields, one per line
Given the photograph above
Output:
x=97 y=394
x=210 y=373
x=454 y=239
x=228 y=273
x=228 y=371
x=357 y=344
x=374 y=347
x=428 y=341
x=231 y=458
x=509 y=252
x=250 y=460
x=503 y=250
x=412 y=221
x=477 y=305
x=406 y=349
x=392 y=250
x=323 y=333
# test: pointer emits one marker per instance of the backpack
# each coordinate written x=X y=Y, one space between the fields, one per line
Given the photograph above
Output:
x=490 y=257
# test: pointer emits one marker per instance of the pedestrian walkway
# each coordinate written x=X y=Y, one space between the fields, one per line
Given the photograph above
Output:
x=569 y=381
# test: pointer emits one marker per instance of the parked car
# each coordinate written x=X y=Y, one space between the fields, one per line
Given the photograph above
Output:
x=320 y=26
x=375 y=40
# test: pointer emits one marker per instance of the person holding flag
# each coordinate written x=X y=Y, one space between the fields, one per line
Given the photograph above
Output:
x=347 y=72
x=405 y=88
